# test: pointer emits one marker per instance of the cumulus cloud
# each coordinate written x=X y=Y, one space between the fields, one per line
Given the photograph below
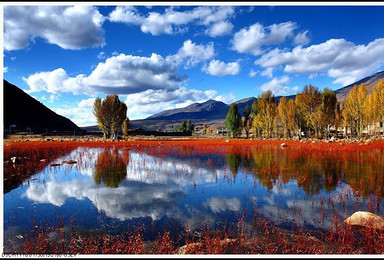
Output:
x=70 y=27
x=252 y=73
x=215 y=18
x=57 y=81
x=122 y=74
x=226 y=98
x=153 y=188
x=220 y=68
x=81 y=114
x=191 y=53
x=252 y=39
x=278 y=86
x=151 y=84
x=153 y=101
x=268 y=72
x=220 y=29
x=220 y=204
x=301 y=38
x=342 y=60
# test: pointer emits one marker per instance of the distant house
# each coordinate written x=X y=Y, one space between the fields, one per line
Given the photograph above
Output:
x=222 y=130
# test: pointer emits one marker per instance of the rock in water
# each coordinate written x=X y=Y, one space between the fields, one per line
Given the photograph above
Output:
x=365 y=219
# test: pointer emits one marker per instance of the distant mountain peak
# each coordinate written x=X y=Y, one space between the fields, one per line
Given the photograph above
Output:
x=213 y=109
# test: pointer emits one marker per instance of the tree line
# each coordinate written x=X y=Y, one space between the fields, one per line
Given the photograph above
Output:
x=312 y=113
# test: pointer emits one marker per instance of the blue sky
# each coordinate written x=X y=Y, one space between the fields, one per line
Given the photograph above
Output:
x=163 y=57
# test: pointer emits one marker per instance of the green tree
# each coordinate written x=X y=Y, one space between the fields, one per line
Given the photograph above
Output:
x=247 y=120
x=110 y=114
x=233 y=121
x=233 y=161
x=190 y=126
x=182 y=127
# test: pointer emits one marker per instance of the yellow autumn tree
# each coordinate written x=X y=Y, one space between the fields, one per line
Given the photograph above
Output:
x=283 y=115
x=110 y=114
x=291 y=117
x=354 y=109
x=338 y=117
x=267 y=112
x=379 y=103
x=307 y=103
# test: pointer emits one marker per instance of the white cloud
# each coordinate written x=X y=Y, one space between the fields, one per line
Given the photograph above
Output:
x=220 y=29
x=277 y=86
x=57 y=81
x=5 y=69
x=154 y=101
x=152 y=84
x=220 y=204
x=268 y=72
x=122 y=74
x=53 y=97
x=191 y=53
x=219 y=68
x=70 y=27
x=81 y=114
x=250 y=40
x=252 y=73
x=150 y=189
x=342 y=60
x=301 y=38
x=215 y=18
x=101 y=55
x=226 y=98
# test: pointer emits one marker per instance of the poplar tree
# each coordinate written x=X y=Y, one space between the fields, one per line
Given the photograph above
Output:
x=283 y=115
x=110 y=114
x=327 y=108
x=307 y=103
x=354 y=109
x=247 y=120
x=379 y=102
x=233 y=121
x=190 y=126
x=125 y=127
x=255 y=118
x=267 y=112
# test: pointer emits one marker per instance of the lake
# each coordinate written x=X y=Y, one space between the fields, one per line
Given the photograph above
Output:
x=168 y=187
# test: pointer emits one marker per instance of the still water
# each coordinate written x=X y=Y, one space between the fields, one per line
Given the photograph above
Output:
x=118 y=189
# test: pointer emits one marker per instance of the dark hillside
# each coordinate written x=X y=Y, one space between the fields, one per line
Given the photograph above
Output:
x=25 y=112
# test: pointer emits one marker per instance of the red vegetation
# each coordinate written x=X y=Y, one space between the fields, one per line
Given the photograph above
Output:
x=295 y=161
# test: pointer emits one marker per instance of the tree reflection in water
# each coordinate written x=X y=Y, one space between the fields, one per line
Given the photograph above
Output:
x=313 y=171
x=111 y=167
